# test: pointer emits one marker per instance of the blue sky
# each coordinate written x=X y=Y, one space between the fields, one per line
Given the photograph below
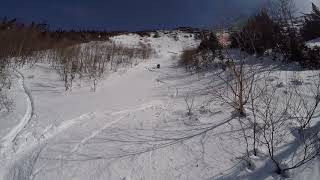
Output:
x=129 y=14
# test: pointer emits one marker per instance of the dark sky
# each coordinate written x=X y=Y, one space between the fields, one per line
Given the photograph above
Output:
x=128 y=14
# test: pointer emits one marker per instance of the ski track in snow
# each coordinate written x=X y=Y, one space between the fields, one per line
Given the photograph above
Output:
x=9 y=140
x=108 y=124
x=151 y=156
x=80 y=130
x=25 y=151
x=52 y=130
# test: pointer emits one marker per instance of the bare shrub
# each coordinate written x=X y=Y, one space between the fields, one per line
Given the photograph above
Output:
x=189 y=59
x=304 y=109
x=273 y=116
x=276 y=114
x=189 y=101
x=143 y=51
x=5 y=102
x=21 y=43
x=5 y=84
x=94 y=59
x=238 y=79
x=67 y=58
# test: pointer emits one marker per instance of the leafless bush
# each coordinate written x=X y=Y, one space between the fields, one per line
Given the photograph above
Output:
x=5 y=102
x=304 y=109
x=283 y=11
x=189 y=101
x=238 y=91
x=144 y=51
x=275 y=114
x=5 y=84
x=189 y=59
x=238 y=79
x=20 y=44
x=68 y=64
x=93 y=60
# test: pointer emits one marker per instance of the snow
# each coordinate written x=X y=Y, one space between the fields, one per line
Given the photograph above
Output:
x=133 y=127
x=305 y=5
x=11 y=136
x=314 y=43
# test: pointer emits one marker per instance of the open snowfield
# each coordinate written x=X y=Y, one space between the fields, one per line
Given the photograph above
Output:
x=134 y=127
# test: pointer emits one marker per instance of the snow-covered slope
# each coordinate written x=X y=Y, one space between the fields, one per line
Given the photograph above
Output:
x=133 y=127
